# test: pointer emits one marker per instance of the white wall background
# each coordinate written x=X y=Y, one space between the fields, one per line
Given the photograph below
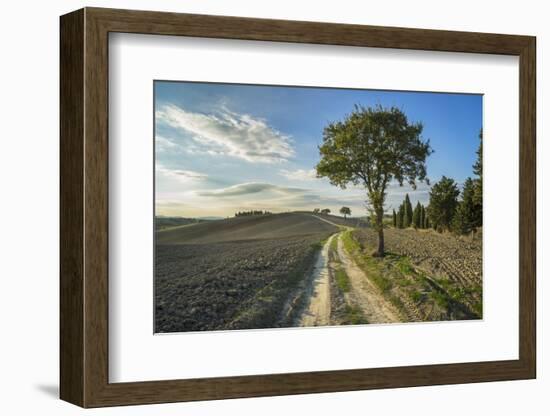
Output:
x=29 y=83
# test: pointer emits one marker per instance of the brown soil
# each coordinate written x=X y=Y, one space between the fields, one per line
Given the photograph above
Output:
x=204 y=284
x=442 y=254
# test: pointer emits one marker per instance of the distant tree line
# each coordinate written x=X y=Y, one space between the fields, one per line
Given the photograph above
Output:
x=252 y=212
x=449 y=209
x=325 y=211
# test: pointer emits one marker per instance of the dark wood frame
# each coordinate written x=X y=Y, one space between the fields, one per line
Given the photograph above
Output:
x=84 y=207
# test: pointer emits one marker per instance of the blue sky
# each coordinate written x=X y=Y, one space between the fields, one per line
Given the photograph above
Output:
x=221 y=148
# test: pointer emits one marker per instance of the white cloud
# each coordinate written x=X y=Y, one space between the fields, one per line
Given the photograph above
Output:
x=162 y=144
x=238 y=135
x=250 y=188
x=179 y=174
x=299 y=174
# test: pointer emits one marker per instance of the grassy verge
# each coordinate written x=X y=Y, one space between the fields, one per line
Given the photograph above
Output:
x=334 y=244
x=470 y=295
x=347 y=312
x=342 y=280
x=373 y=267
x=402 y=284
x=354 y=316
x=369 y=264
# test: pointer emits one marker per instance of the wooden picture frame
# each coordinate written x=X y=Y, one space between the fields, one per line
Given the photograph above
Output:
x=84 y=207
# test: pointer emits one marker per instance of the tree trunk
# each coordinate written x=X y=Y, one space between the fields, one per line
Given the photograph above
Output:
x=380 y=252
x=380 y=229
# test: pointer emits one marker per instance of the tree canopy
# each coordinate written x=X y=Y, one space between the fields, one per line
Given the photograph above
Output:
x=345 y=211
x=373 y=146
x=465 y=217
x=443 y=203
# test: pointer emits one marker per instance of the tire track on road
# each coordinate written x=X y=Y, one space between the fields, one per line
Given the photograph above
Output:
x=317 y=310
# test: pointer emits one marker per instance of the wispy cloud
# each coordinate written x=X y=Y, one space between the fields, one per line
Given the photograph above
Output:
x=179 y=174
x=225 y=132
x=299 y=174
x=163 y=144
x=250 y=188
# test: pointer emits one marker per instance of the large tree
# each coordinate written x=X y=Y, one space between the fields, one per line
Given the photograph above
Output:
x=345 y=211
x=443 y=203
x=373 y=146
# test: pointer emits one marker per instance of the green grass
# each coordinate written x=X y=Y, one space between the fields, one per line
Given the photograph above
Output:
x=404 y=265
x=440 y=299
x=478 y=308
x=397 y=302
x=334 y=243
x=354 y=315
x=342 y=280
x=463 y=294
x=416 y=296
x=350 y=244
x=402 y=281
x=372 y=266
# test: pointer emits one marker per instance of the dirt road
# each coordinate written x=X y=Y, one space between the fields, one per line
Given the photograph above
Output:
x=363 y=294
x=317 y=311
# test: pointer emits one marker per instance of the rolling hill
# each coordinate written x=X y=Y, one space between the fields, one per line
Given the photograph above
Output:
x=272 y=226
x=167 y=222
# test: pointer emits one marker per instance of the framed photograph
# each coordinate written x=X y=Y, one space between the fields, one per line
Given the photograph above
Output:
x=255 y=207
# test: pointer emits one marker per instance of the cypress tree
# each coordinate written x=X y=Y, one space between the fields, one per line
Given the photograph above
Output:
x=426 y=219
x=422 y=217
x=417 y=214
x=400 y=216
x=408 y=211
x=394 y=216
